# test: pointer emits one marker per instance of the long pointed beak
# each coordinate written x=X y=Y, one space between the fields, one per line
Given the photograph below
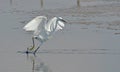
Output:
x=64 y=21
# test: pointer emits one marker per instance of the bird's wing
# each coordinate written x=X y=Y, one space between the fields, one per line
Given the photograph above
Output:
x=60 y=25
x=50 y=25
x=54 y=25
x=32 y=25
x=40 y=29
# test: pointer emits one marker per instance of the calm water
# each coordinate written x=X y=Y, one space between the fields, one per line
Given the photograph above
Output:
x=90 y=42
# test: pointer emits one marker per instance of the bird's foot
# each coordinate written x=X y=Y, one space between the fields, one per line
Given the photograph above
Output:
x=29 y=51
x=31 y=48
x=34 y=52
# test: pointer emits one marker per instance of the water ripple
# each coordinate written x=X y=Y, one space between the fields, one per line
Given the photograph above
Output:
x=77 y=51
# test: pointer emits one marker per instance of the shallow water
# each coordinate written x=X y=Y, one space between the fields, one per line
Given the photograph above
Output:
x=88 y=43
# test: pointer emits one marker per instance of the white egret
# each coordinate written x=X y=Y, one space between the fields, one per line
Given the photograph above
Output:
x=43 y=29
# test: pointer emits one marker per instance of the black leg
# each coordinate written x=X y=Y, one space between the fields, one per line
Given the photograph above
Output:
x=37 y=48
x=33 y=41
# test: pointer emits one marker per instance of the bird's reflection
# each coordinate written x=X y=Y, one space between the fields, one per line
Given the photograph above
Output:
x=11 y=2
x=78 y=3
x=37 y=64
x=41 y=3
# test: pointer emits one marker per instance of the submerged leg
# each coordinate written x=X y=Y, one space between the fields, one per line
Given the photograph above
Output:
x=37 y=48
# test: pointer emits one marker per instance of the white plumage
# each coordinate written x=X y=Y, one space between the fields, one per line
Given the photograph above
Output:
x=43 y=29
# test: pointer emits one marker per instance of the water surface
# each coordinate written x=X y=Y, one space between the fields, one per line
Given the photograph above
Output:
x=88 y=43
